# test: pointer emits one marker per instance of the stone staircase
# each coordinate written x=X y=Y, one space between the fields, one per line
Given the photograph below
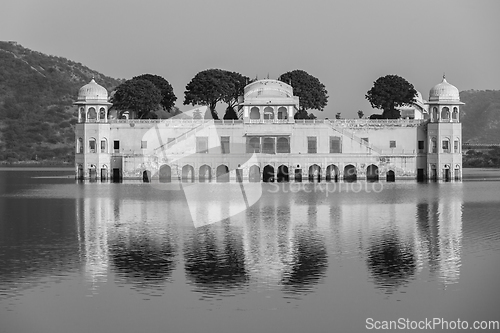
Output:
x=348 y=134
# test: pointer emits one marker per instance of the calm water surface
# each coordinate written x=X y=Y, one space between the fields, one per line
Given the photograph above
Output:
x=92 y=257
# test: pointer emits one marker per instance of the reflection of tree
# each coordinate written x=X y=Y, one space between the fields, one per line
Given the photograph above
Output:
x=142 y=260
x=391 y=263
x=213 y=264
x=309 y=265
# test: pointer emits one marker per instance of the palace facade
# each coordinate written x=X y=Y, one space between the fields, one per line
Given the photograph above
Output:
x=267 y=144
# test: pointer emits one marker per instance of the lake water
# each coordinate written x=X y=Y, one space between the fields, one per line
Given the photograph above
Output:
x=103 y=257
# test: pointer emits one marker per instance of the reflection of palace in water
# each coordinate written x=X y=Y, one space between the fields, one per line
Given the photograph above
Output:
x=285 y=240
x=126 y=235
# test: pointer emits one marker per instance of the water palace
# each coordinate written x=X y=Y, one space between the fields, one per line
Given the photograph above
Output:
x=266 y=143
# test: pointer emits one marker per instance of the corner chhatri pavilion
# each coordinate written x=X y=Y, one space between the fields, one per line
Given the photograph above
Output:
x=267 y=143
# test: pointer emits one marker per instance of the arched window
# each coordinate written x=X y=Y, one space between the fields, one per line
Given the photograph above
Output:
x=82 y=115
x=254 y=113
x=268 y=146
x=282 y=145
x=104 y=145
x=456 y=146
x=446 y=145
x=454 y=116
x=253 y=145
x=434 y=114
x=445 y=114
x=79 y=147
x=92 y=114
x=434 y=145
x=282 y=113
x=268 y=113
x=102 y=114
x=92 y=145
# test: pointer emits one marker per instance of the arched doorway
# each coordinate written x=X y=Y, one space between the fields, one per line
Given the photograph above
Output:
x=314 y=173
x=372 y=173
x=282 y=175
x=222 y=174
x=104 y=173
x=254 y=174
x=146 y=176
x=205 y=174
x=298 y=175
x=187 y=174
x=457 y=172
x=446 y=173
x=92 y=172
x=268 y=174
x=165 y=174
x=350 y=173
x=390 y=176
x=80 y=172
x=332 y=173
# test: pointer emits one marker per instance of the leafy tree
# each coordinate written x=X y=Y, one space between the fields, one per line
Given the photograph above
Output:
x=239 y=82
x=212 y=86
x=360 y=114
x=230 y=113
x=167 y=93
x=390 y=92
x=311 y=92
x=140 y=96
x=338 y=115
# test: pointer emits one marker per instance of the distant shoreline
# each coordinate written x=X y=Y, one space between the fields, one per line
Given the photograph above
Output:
x=20 y=164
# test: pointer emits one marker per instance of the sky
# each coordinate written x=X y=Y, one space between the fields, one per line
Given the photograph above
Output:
x=346 y=44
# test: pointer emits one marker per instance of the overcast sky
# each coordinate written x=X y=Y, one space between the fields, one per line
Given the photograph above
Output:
x=347 y=44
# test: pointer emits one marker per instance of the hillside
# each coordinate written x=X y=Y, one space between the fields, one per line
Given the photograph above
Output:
x=36 y=94
x=481 y=116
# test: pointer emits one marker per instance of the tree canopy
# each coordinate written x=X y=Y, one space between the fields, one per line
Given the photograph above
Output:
x=139 y=96
x=390 y=92
x=167 y=93
x=212 y=86
x=311 y=92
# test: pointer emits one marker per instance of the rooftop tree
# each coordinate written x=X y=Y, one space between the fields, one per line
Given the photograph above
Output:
x=139 y=96
x=311 y=92
x=212 y=86
x=388 y=93
x=167 y=93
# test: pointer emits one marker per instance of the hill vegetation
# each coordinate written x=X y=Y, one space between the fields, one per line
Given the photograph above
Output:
x=481 y=116
x=37 y=118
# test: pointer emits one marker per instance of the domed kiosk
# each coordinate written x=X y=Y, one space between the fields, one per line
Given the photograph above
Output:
x=444 y=132
x=93 y=103
x=444 y=92
x=92 y=132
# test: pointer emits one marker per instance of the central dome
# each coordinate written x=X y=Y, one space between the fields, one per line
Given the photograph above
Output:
x=444 y=91
x=92 y=91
